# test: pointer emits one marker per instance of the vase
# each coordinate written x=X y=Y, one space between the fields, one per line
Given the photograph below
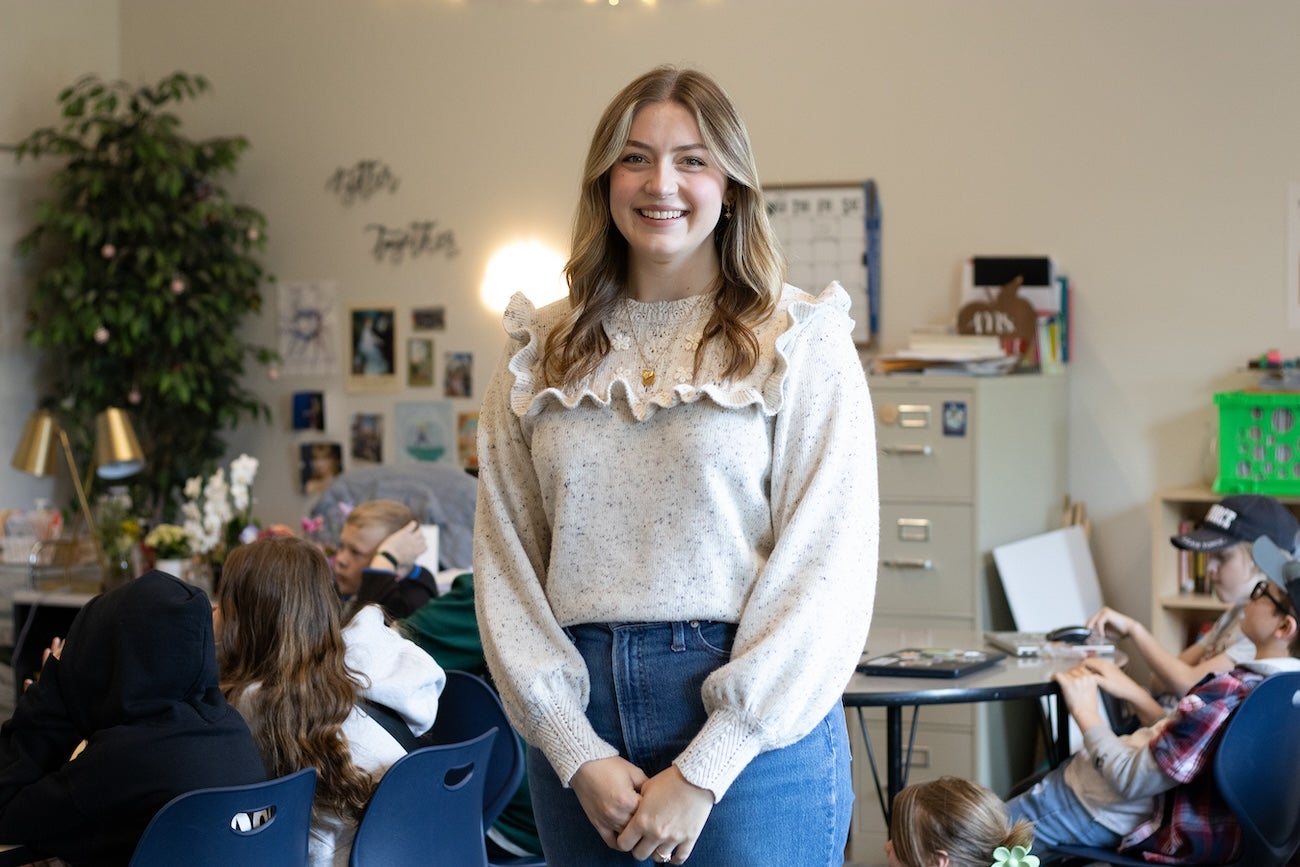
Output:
x=172 y=566
x=118 y=569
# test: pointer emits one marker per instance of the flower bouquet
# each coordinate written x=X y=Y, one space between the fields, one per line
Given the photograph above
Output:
x=218 y=515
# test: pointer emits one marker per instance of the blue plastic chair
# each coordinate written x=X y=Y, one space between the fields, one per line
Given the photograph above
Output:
x=467 y=707
x=428 y=809
x=1255 y=770
x=214 y=827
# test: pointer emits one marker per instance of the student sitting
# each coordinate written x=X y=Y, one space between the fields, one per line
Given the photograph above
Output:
x=1152 y=790
x=137 y=681
x=951 y=822
x=376 y=559
x=1225 y=536
x=300 y=680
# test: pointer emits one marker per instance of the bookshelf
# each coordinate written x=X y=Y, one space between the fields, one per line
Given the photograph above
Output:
x=1175 y=615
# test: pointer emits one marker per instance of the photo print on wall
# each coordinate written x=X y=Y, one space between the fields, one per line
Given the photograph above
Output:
x=308 y=410
x=318 y=465
x=308 y=329
x=372 y=364
x=367 y=437
x=456 y=374
x=428 y=319
x=467 y=439
x=419 y=362
x=424 y=432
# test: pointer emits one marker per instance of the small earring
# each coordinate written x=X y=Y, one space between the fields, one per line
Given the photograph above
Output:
x=726 y=211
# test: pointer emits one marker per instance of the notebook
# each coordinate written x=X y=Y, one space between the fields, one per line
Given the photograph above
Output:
x=1021 y=643
x=929 y=662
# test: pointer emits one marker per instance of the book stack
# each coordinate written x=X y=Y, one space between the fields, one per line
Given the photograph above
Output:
x=935 y=351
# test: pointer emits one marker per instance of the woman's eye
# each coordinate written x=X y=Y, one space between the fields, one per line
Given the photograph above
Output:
x=693 y=162
x=634 y=158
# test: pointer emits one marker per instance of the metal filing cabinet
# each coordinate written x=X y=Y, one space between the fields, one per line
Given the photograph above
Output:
x=966 y=464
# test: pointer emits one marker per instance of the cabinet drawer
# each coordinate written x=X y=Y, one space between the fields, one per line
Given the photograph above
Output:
x=924 y=441
x=926 y=566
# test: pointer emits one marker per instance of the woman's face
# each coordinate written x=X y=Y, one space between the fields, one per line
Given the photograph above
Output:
x=666 y=191
x=1232 y=572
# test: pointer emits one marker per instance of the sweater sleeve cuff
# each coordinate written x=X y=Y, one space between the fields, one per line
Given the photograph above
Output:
x=724 y=746
x=568 y=740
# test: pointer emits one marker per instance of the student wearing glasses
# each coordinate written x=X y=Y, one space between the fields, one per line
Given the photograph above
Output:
x=1225 y=536
x=1153 y=791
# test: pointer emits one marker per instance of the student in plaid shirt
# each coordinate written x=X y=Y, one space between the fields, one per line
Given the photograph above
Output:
x=1152 y=790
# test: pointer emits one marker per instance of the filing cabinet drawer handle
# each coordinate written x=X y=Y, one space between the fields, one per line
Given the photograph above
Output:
x=919 y=451
x=907 y=563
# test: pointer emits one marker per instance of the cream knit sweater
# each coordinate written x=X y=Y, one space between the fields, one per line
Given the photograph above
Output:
x=750 y=501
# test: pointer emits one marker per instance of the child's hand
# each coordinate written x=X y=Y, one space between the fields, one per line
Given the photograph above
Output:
x=406 y=544
x=1079 y=688
x=1119 y=625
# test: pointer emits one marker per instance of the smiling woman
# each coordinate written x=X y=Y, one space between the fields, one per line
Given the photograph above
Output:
x=732 y=413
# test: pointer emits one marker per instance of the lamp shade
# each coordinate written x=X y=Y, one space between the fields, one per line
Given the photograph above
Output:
x=36 y=452
x=117 y=451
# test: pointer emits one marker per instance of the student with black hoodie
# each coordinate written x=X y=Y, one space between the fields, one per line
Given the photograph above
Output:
x=137 y=681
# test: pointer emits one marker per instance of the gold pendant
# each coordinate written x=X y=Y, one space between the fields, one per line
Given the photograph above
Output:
x=647 y=377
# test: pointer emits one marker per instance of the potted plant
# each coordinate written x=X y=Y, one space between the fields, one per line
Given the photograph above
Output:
x=147 y=269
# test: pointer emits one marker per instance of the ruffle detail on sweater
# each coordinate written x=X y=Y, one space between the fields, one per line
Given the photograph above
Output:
x=764 y=386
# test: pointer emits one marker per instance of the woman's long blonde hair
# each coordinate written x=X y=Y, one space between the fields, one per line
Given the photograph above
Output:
x=280 y=633
x=954 y=816
x=752 y=267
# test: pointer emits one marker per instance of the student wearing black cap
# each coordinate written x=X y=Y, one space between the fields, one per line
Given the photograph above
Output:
x=1225 y=536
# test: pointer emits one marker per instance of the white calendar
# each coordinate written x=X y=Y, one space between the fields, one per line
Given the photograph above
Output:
x=832 y=232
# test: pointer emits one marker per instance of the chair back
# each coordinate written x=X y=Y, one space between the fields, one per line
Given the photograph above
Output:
x=1257 y=770
x=261 y=823
x=428 y=809
x=467 y=708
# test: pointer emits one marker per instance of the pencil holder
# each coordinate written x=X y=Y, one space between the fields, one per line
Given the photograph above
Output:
x=1259 y=443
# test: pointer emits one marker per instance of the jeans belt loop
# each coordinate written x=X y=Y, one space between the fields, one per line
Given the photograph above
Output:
x=679 y=636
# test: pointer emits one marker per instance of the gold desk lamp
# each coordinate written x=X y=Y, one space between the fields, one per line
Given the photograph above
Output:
x=117 y=454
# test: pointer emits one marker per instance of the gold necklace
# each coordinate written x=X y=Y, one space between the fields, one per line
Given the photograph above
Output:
x=648 y=374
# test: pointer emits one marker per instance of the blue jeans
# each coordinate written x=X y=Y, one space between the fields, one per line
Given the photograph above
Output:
x=1058 y=816
x=789 y=806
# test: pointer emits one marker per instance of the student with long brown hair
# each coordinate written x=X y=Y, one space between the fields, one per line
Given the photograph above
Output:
x=299 y=679
x=953 y=822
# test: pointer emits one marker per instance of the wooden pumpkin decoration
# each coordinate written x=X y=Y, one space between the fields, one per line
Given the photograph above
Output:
x=1009 y=317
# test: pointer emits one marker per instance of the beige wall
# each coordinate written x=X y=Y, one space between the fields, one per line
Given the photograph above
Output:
x=1146 y=144
x=44 y=46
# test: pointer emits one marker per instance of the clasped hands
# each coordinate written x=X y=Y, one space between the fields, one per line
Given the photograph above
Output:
x=657 y=817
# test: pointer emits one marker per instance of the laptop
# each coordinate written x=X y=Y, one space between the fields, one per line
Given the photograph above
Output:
x=929 y=662
x=1022 y=643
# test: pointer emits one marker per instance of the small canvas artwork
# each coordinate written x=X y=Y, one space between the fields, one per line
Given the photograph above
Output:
x=308 y=410
x=467 y=439
x=367 y=437
x=419 y=362
x=456 y=374
x=428 y=319
x=424 y=432
x=373 y=364
x=318 y=465
x=308 y=328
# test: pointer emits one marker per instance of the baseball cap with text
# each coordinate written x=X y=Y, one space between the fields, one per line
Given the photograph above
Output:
x=1241 y=518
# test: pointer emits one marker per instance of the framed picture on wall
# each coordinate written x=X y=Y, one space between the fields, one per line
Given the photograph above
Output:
x=419 y=362
x=367 y=437
x=318 y=465
x=372 y=359
x=456 y=374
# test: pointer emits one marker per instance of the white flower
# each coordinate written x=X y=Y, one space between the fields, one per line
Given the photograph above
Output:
x=620 y=341
x=682 y=374
x=622 y=373
x=243 y=469
x=192 y=489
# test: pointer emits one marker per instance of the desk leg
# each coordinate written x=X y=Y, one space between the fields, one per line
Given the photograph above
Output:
x=894 y=761
x=1062 y=746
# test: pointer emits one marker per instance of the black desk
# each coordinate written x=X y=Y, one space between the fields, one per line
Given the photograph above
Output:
x=1013 y=678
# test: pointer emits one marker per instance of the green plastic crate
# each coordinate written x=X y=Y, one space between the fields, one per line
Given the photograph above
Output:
x=1259 y=443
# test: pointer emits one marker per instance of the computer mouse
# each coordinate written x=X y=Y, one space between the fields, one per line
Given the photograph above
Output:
x=1070 y=634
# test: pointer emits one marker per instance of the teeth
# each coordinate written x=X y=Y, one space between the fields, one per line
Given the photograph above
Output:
x=662 y=215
